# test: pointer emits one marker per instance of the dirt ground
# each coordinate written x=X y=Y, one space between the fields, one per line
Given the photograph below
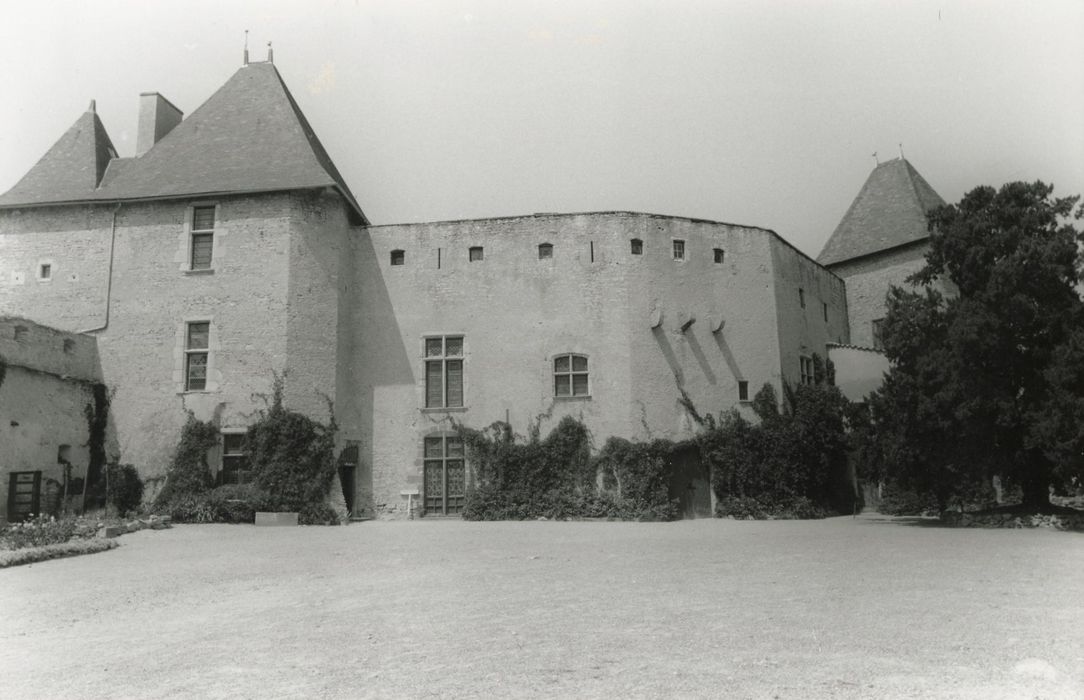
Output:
x=866 y=608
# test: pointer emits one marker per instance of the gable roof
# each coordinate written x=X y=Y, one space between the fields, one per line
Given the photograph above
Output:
x=249 y=136
x=70 y=169
x=889 y=211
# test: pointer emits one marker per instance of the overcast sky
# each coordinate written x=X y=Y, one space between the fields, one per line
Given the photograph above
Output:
x=759 y=113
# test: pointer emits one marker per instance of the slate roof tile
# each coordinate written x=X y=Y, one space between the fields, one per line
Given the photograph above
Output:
x=249 y=136
x=889 y=211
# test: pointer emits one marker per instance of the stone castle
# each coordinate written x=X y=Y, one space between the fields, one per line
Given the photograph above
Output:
x=229 y=250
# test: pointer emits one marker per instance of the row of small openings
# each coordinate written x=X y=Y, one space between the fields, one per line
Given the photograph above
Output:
x=21 y=332
x=545 y=252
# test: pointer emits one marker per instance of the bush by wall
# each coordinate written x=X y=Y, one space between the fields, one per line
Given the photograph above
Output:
x=124 y=488
x=188 y=472
x=557 y=478
x=291 y=456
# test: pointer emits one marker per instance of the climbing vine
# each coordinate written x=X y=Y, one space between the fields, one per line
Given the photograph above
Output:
x=97 y=415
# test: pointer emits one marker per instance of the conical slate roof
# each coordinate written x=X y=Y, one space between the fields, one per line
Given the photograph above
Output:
x=71 y=169
x=249 y=136
x=889 y=211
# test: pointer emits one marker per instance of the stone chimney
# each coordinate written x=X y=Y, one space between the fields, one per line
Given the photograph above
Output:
x=157 y=117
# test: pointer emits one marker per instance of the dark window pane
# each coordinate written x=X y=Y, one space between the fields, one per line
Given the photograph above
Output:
x=579 y=363
x=720 y=255
x=196 y=371
x=475 y=253
x=562 y=385
x=398 y=257
x=202 y=247
x=579 y=384
x=637 y=246
x=545 y=251
x=454 y=447
x=434 y=384
x=743 y=391
x=434 y=447
x=434 y=347
x=679 y=250
x=203 y=219
x=453 y=347
x=455 y=382
x=560 y=364
x=197 y=335
x=233 y=443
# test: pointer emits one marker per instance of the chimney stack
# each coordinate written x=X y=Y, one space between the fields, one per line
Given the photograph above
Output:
x=157 y=117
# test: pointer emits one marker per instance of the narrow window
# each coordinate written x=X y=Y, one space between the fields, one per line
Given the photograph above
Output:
x=825 y=307
x=45 y=271
x=398 y=257
x=806 y=369
x=679 y=249
x=570 y=375
x=69 y=346
x=743 y=391
x=475 y=253
x=445 y=482
x=438 y=258
x=878 y=333
x=592 y=251
x=196 y=349
x=801 y=297
x=545 y=251
x=444 y=372
x=203 y=237
x=234 y=460
x=720 y=255
x=20 y=332
x=637 y=246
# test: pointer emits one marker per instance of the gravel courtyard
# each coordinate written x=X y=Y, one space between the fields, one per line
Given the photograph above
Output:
x=865 y=608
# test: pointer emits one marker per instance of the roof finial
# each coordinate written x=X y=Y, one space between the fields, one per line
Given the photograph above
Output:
x=93 y=108
x=901 y=152
x=875 y=159
x=270 y=53
x=246 y=48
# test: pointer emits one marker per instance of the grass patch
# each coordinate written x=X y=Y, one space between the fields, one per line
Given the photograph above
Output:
x=72 y=548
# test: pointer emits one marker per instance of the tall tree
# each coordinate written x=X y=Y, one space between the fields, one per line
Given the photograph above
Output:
x=990 y=380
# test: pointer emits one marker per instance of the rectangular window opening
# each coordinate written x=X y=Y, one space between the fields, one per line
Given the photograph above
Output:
x=398 y=257
x=570 y=377
x=743 y=391
x=235 y=468
x=196 y=349
x=475 y=253
x=825 y=306
x=720 y=255
x=203 y=236
x=637 y=246
x=679 y=249
x=444 y=372
x=545 y=251
x=801 y=297
x=806 y=369
x=45 y=271
x=877 y=327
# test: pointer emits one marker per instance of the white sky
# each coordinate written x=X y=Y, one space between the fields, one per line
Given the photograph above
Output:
x=759 y=113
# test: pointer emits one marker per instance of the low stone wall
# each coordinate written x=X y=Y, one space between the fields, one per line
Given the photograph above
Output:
x=1015 y=520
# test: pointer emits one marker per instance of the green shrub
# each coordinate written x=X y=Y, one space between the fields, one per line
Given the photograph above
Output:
x=36 y=532
x=292 y=456
x=125 y=488
x=188 y=472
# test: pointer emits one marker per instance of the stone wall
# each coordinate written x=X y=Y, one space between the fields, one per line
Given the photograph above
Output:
x=46 y=389
x=649 y=324
x=868 y=280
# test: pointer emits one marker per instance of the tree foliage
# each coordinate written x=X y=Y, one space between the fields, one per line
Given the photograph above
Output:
x=989 y=381
x=188 y=472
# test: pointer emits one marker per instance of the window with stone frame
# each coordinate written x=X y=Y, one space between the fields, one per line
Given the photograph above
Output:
x=444 y=371
x=444 y=475
x=196 y=355
x=806 y=365
x=475 y=253
x=545 y=251
x=679 y=249
x=203 y=237
x=877 y=329
x=235 y=469
x=570 y=377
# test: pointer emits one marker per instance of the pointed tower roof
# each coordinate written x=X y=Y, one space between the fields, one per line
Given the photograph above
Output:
x=888 y=212
x=71 y=169
x=249 y=136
